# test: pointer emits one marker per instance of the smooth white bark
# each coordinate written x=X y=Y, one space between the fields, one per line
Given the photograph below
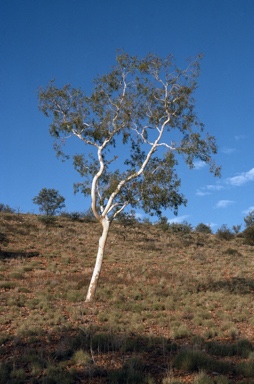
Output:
x=99 y=259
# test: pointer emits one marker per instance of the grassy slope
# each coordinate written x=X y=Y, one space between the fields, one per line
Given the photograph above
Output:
x=168 y=306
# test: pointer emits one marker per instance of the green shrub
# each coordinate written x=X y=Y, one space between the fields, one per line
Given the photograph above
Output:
x=183 y=227
x=232 y=252
x=74 y=216
x=132 y=372
x=6 y=208
x=248 y=234
x=127 y=219
x=203 y=228
x=163 y=223
x=249 y=219
x=82 y=357
x=224 y=233
x=47 y=220
x=236 y=229
x=246 y=369
x=88 y=216
x=191 y=360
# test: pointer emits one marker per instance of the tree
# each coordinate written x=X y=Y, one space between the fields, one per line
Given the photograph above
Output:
x=50 y=201
x=138 y=119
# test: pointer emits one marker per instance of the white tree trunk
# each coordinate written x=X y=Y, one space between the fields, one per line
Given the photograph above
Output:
x=97 y=268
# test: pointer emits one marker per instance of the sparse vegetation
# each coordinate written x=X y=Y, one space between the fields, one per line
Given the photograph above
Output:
x=248 y=234
x=6 y=208
x=182 y=228
x=165 y=313
x=203 y=228
x=225 y=233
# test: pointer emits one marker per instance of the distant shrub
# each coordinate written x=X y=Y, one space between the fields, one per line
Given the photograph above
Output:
x=203 y=228
x=248 y=234
x=224 y=233
x=232 y=252
x=127 y=219
x=146 y=221
x=6 y=208
x=3 y=238
x=236 y=228
x=249 y=219
x=47 y=220
x=183 y=227
x=74 y=216
x=163 y=223
x=88 y=216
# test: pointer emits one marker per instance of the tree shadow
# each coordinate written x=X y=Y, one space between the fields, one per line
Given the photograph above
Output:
x=88 y=355
x=17 y=254
x=239 y=285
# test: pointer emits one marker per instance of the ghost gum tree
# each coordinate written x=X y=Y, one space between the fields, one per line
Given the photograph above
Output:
x=139 y=118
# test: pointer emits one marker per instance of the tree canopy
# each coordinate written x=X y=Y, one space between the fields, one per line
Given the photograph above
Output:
x=141 y=107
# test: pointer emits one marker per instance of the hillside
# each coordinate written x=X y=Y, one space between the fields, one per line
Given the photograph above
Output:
x=170 y=308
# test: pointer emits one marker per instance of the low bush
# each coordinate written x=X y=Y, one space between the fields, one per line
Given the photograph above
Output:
x=6 y=208
x=203 y=228
x=182 y=228
x=224 y=233
x=127 y=219
x=47 y=220
x=74 y=216
x=248 y=234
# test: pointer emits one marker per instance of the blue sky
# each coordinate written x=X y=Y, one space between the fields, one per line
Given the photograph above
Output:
x=75 y=40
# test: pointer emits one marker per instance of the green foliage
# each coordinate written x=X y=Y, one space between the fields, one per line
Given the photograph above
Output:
x=74 y=216
x=47 y=220
x=82 y=357
x=163 y=223
x=248 y=234
x=131 y=373
x=6 y=208
x=127 y=218
x=249 y=219
x=191 y=360
x=232 y=252
x=49 y=201
x=88 y=216
x=224 y=233
x=203 y=228
x=236 y=228
x=183 y=228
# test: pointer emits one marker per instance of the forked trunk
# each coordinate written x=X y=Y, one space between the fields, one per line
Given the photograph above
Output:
x=97 y=268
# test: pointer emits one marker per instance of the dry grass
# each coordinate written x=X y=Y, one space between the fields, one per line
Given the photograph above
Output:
x=168 y=309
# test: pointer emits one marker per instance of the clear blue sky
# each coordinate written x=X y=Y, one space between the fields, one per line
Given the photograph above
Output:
x=75 y=40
